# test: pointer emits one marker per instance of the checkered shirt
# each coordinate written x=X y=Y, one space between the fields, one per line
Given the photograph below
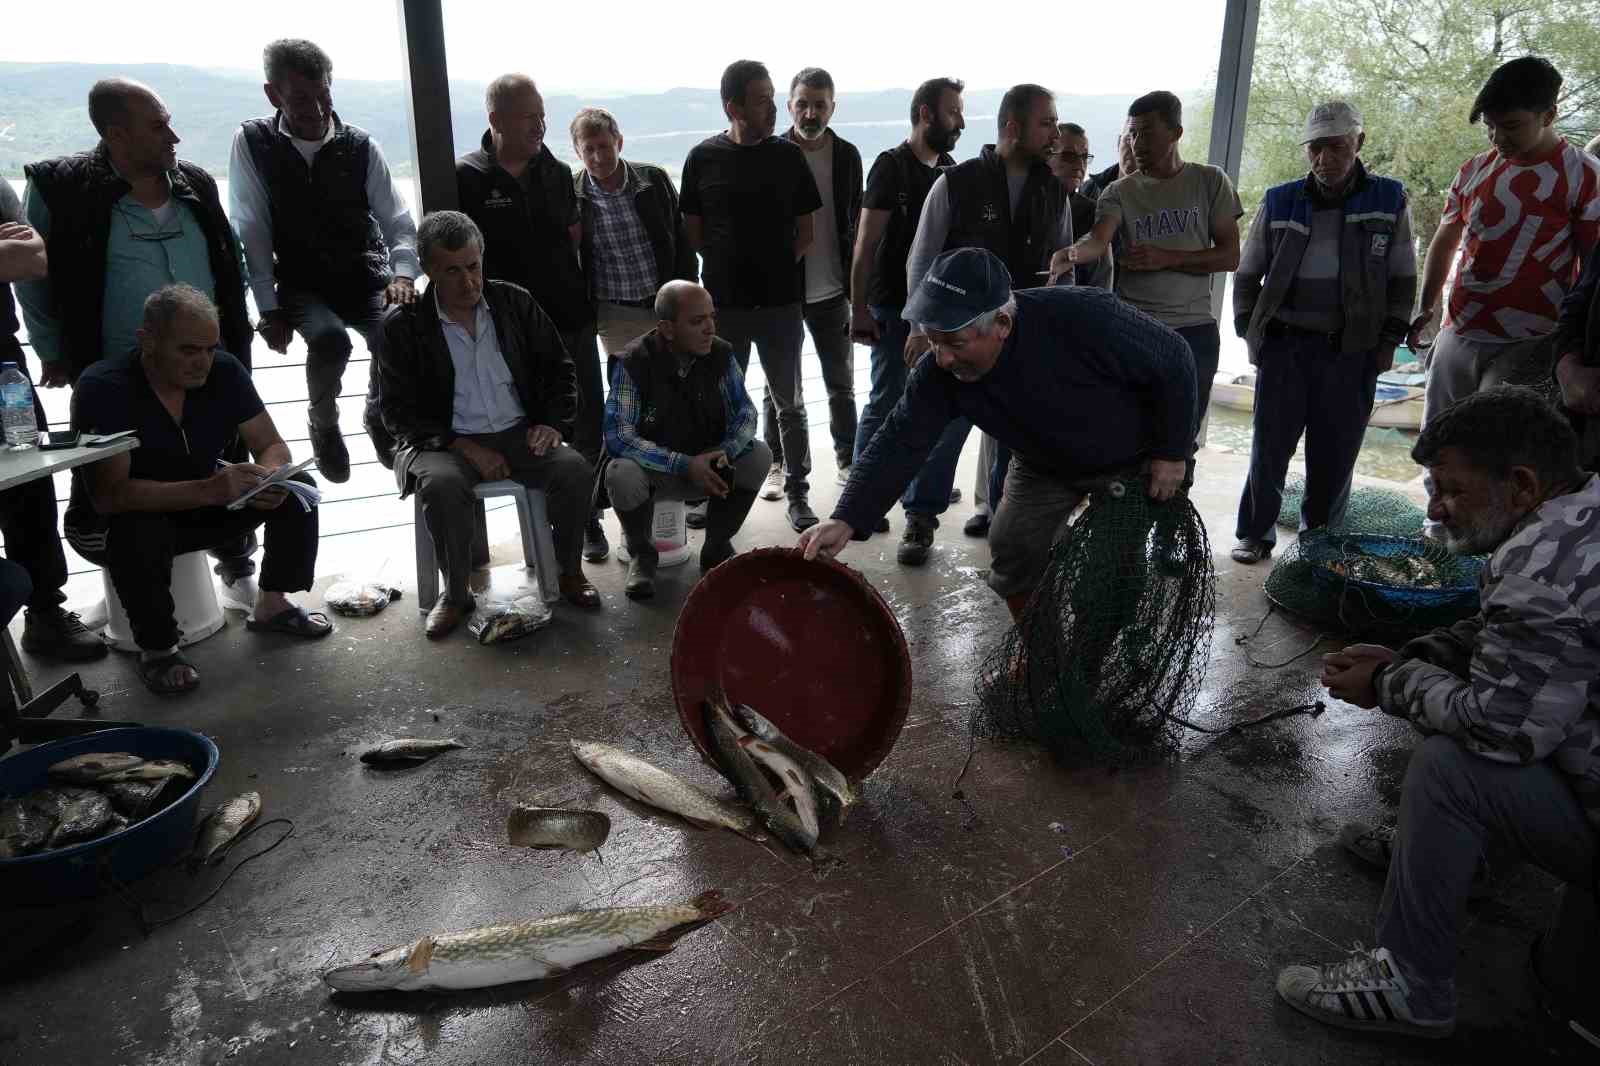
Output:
x=624 y=264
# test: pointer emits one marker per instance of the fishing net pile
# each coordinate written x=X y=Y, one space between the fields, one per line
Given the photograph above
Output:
x=1114 y=643
x=1381 y=511
x=1373 y=586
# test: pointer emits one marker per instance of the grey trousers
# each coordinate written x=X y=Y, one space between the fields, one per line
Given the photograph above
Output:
x=630 y=485
x=777 y=334
x=326 y=331
x=828 y=322
x=1458 y=367
x=1034 y=513
x=444 y=480
x=1454 y=805
x=620 y=325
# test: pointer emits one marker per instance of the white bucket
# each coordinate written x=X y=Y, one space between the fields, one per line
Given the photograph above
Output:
x=671 y=534
x=193 y=595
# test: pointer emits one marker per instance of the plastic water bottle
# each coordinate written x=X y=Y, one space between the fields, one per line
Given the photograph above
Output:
x=16 y=404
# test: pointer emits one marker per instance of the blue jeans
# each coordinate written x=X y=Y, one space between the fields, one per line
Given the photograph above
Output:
x=1205 y=344
x=1303 y=385
x=928 y=495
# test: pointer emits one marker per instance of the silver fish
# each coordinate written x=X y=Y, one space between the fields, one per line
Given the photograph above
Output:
x=223 y=825
x=648 y=783
x=138 y=799
x=93 y=766
x=409 y=749
x=148 y=770
x=557 y=827
x=824 y=774
x=740 y=767
x=84 y=815
x=521 y=951
x=26 y=825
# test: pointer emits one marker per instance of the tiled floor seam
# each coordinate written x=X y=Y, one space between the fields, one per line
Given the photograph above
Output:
x=1181 y=948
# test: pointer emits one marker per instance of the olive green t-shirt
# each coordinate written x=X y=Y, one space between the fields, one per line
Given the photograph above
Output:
x=1176 y=213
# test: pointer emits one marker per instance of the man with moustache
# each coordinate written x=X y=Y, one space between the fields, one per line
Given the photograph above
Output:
x=836 y=167
x=749 y=204
x=1005 y=200
x=328 y=239
x=1070 y=164
x=896 y=189
x=523 y=200
x=118 y=223
x=1322 y=297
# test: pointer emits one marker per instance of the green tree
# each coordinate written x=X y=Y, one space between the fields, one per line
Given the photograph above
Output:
x=1412 y=67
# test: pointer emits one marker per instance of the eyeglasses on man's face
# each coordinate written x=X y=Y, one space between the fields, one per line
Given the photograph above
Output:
x=1075 y=157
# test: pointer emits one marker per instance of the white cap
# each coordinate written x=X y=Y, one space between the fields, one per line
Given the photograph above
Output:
x=1333 y=119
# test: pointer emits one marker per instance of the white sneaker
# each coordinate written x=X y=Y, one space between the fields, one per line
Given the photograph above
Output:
x=239 y=594
x=1366 y=991
x=843 y=476
x=773 y=489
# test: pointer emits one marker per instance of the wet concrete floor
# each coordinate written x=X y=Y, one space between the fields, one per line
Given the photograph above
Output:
x=1050 y=916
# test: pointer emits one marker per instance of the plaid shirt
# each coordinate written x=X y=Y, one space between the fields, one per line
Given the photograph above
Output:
x=623 y=264
x=622 y=423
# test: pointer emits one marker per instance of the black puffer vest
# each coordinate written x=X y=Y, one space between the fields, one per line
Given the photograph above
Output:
x=324 y=235
x=980 y=215
x=80 y=191
x=681 y=411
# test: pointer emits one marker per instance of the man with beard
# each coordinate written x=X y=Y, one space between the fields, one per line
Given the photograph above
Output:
x=896 y=189
x=836 y=167
x=1322 y=297
x=1006 y=201
x=1509 y=704
x=749 y=204
x=524 y=201
x=328 y=239
x=1175 y=224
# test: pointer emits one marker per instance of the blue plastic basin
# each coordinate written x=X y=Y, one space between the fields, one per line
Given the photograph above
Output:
x=86 y=869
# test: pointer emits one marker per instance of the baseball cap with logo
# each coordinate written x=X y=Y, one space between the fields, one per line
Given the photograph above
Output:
x=959 y=287
x=1333 y=119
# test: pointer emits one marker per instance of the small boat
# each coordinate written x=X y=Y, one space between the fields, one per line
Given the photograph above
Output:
x=1393 y=407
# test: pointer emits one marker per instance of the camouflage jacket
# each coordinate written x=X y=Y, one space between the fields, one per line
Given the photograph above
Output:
x=1520 y=682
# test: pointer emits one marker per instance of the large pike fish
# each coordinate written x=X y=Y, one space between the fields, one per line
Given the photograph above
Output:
x=827 y=777
x=648 y=783
x=521 y=951
x=740 y=756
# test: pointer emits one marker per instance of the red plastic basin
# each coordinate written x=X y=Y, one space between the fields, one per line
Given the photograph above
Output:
x=810 y=645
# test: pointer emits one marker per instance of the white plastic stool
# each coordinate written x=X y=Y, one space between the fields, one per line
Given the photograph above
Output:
x=194 y=598
x=538 y=545
x=670 y=532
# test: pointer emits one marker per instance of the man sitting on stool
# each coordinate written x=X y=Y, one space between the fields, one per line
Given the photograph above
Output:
x=475 y=385
x=134 y=513
x=680 y=425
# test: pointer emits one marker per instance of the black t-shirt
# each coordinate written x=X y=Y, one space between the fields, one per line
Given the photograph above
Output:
x=748 y=197
x=899 y=184
x=113 y=395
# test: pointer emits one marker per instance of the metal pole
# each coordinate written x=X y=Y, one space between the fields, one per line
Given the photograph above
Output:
x=428 y=103
x=1233 y=84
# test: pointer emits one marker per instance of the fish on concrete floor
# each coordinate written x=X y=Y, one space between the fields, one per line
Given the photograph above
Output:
x=740 y=767
x=829 y=781
x=521 y=951
x=223 y=826
x=557 y=828
x=648 y=783
x=408 y=750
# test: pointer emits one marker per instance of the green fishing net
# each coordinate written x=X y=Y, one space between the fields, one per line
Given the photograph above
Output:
x=1373 y=586
x=1381 y=511
x=1115 y=640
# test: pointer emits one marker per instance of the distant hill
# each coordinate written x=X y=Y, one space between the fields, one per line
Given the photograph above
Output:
x=43 y=114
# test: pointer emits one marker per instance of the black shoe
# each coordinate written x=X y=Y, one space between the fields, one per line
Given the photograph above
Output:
x=53 y=633
x=714 y=555
x=595 y=546
x=916 y=541
x=955 y=497
x=333 y=458
x=641 y=581
x=801 y=516
x=695 y=516
x=882 y=526
x=977 y=526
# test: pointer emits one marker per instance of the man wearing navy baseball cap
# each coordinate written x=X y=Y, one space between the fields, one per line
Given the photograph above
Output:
x=1078 y=384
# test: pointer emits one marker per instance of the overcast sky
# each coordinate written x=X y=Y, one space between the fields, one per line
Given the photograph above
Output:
x=1125 y=46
